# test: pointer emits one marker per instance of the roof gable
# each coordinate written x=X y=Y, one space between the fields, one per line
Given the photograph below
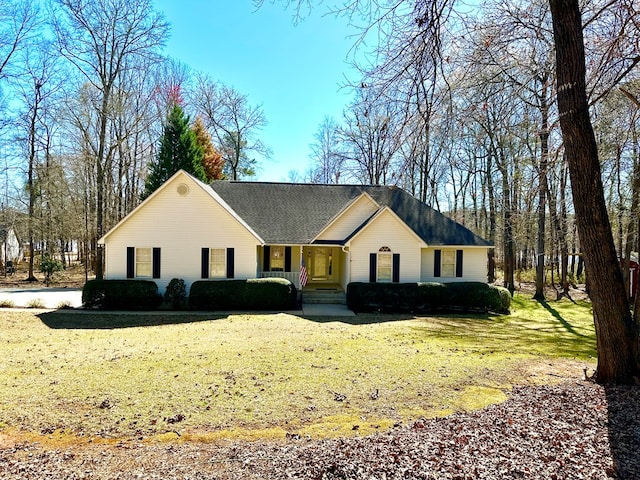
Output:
x=178 y=178
x=431 y=226
x=354 y=214
x=374 y=218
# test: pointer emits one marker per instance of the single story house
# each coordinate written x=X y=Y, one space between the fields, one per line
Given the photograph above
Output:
x=314 y=235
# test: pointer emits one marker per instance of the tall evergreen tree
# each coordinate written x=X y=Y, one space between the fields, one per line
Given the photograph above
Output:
x=179 y=149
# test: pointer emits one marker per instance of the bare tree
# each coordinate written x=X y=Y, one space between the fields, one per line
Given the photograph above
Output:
x=18 y=20
x=371 y=137
x=103 y=40
x=610 y=33
x=38 y=87
x=234 y=122
x=325 y=154
x=616 y=125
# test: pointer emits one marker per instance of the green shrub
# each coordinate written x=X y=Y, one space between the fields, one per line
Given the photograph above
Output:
x=478 y=296
x=505 y=299
x=49 y=266
x=382 y=297
x=427 y=297
x=176 y=294
x=252 y=294
x=121 y=295
x=433 y=296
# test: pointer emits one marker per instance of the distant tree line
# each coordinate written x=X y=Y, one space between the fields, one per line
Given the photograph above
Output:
x=460 y=109
x=88 y=104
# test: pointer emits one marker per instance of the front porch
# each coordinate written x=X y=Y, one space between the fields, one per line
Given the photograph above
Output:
x=326 y=270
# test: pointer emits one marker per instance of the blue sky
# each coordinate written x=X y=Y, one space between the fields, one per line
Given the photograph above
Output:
x=294 y=71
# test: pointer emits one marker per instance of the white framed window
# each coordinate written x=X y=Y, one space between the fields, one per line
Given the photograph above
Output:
x=276 y=260
x=448 y=268
x=385 y=265
x=143 y=262
x=217 y=263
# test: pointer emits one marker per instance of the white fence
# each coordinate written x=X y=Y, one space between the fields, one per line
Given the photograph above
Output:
x=293 y=277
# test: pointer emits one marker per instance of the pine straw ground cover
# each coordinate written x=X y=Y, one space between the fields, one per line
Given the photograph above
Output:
x=277 y=396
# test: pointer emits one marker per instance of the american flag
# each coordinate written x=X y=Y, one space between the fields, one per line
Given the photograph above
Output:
x=303 y=271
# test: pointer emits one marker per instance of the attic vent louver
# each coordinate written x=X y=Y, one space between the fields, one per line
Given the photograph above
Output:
x=183 y=189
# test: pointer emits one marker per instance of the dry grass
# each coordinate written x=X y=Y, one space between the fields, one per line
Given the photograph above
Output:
x=72 y=277
x=70 y=376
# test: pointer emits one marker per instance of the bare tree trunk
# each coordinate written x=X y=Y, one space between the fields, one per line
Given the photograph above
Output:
x=509 y=253
x=543 y=189
x=633 y=230
x=30 y=185
x=616 y=332
x=492 y=221
x=564 y=248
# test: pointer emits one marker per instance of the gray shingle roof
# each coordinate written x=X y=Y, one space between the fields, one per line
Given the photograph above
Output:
x=294 y=213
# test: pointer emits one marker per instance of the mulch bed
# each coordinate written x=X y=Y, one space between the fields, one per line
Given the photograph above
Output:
x=576 y=430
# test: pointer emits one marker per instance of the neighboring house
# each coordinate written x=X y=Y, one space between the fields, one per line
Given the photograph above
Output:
x=343 y=233
x=10 y=248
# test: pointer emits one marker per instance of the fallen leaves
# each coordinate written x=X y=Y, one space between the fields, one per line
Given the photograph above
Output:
x=569 y=431
x=175 y=418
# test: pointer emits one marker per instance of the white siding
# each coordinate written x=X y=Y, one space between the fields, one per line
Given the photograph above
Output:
x=474 y=265
x=345 y=263
x=351 y=218
x=181 y=226
x=385 y=230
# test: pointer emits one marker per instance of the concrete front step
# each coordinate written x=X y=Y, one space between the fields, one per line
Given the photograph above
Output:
x=336 y=297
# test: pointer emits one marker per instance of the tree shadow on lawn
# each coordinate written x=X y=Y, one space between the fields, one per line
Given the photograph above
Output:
x=101 y=320
x=566 y=325
x=489 y=333
x=358 y=318
x=371 y=318
x=624 y=430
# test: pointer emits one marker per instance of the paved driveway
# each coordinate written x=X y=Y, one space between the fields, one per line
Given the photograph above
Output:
x=55 y=297
x=48 y=297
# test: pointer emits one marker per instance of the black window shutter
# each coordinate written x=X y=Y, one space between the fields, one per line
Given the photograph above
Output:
x=287 y=259
x=396 y=268
x=458 y=263
x=230 y=262
x=156 y=262
x=131 y=262
x=204 y=268
x=437 y=262
x=266 y=258
x=373 y=259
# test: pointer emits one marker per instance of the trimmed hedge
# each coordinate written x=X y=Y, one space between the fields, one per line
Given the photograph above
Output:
x=427 y=297
x=383 y=297
x=121 y=295
x=251 y=294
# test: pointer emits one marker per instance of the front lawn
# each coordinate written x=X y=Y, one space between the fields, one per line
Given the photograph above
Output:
x=71 y=377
